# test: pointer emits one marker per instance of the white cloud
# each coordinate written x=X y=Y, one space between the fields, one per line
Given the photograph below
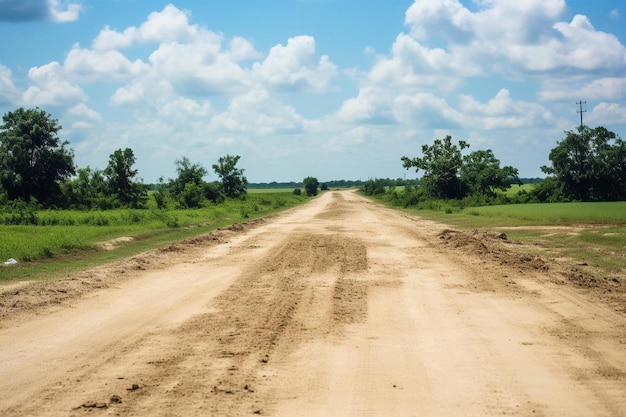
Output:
x=295 y=66
x=82 y=117
x=101 y=65
x=208 y=69
x=169 y=25
x=573 y=88
x=426 y=110
x=241 y=49
x=605 y=114
x=512 y=36
x=258 y=113
x=64 y=11
x=8 y=92
x=503 y=112
x=49 y=87
x=183 y=108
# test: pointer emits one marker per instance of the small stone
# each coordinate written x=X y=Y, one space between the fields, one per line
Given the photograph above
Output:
x=116 y=399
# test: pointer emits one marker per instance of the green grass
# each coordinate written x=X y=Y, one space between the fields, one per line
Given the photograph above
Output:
x=592 y=235
x=68 y=239
x=548 y=214
x=515 y=188
x=270 y=190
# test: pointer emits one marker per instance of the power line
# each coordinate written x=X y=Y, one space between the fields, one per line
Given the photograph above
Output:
x=581 y=111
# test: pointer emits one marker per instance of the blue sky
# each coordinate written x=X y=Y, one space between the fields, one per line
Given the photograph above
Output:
x=337 y=89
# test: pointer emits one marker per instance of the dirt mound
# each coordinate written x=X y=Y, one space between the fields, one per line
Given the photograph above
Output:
x=496 y=247
x=493 y=246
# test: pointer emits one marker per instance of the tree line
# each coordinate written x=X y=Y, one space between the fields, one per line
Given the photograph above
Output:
x=37 y=167
x=587 y=165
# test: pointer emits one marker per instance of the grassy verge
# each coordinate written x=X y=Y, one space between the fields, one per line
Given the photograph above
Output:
x=65 y=240
x=592 y=236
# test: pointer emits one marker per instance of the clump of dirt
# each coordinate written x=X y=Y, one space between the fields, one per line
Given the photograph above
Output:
x=492 y=246
x=115 y=243
x=496 y=247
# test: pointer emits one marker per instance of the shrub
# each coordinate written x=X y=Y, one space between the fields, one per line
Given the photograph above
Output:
x=311 y=185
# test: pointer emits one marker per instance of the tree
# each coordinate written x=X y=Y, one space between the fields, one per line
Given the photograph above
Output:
x=589 y=165
x=310 y=186
x=233 y=182
x=441 y=164
x=481 y=174
x=121 y=179
x=33 y=160
x=88 y=189
x=188 y=173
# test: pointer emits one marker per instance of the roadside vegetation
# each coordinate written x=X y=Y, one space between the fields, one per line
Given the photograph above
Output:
x=52 y=212
x=577 y=212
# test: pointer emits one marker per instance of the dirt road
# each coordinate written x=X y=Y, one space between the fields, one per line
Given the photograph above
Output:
x=337 y=308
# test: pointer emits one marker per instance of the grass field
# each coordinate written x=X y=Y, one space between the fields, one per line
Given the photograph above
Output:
x=514 y=189
x=77 y=236
x=592 y=235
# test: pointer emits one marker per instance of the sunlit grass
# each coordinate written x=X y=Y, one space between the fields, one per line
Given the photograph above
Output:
x=593 y=235
x=73 y=235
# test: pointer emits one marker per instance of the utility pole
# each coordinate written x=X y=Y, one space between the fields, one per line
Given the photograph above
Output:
x=581 y=111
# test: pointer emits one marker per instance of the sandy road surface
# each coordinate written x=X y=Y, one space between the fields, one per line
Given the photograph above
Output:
x=340 y=307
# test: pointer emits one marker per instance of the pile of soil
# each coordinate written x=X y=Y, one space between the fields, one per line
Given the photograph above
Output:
x=496 y=247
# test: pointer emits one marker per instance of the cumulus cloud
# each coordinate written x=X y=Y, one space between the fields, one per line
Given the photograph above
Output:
x=82 y=117
x=101 y=65
x=503 y=112
x=448 y=46
x=9 y=93
x=29 y=10
x=573 y=88
x=512 y=36
x=208 y=69
x=257 y=112
x=213 y=66
x=295 y=65
x=169 y=25
x=607 y=114
x=49 y=87
x=64 y=11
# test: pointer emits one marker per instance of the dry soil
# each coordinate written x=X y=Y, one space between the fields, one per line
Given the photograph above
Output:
x=340 y=307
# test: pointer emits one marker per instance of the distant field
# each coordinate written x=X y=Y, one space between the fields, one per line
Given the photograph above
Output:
x=78 y=235
x=270 y=190
x=517 y=188
x=613 y=213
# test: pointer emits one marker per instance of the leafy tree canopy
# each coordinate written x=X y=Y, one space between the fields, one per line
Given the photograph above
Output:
x=188 y=173
x=121 y=178
x=441 y=164
x=33 y=160
x=589 y=165
x=481 y=174
x=449 y=174
x=233 y=181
